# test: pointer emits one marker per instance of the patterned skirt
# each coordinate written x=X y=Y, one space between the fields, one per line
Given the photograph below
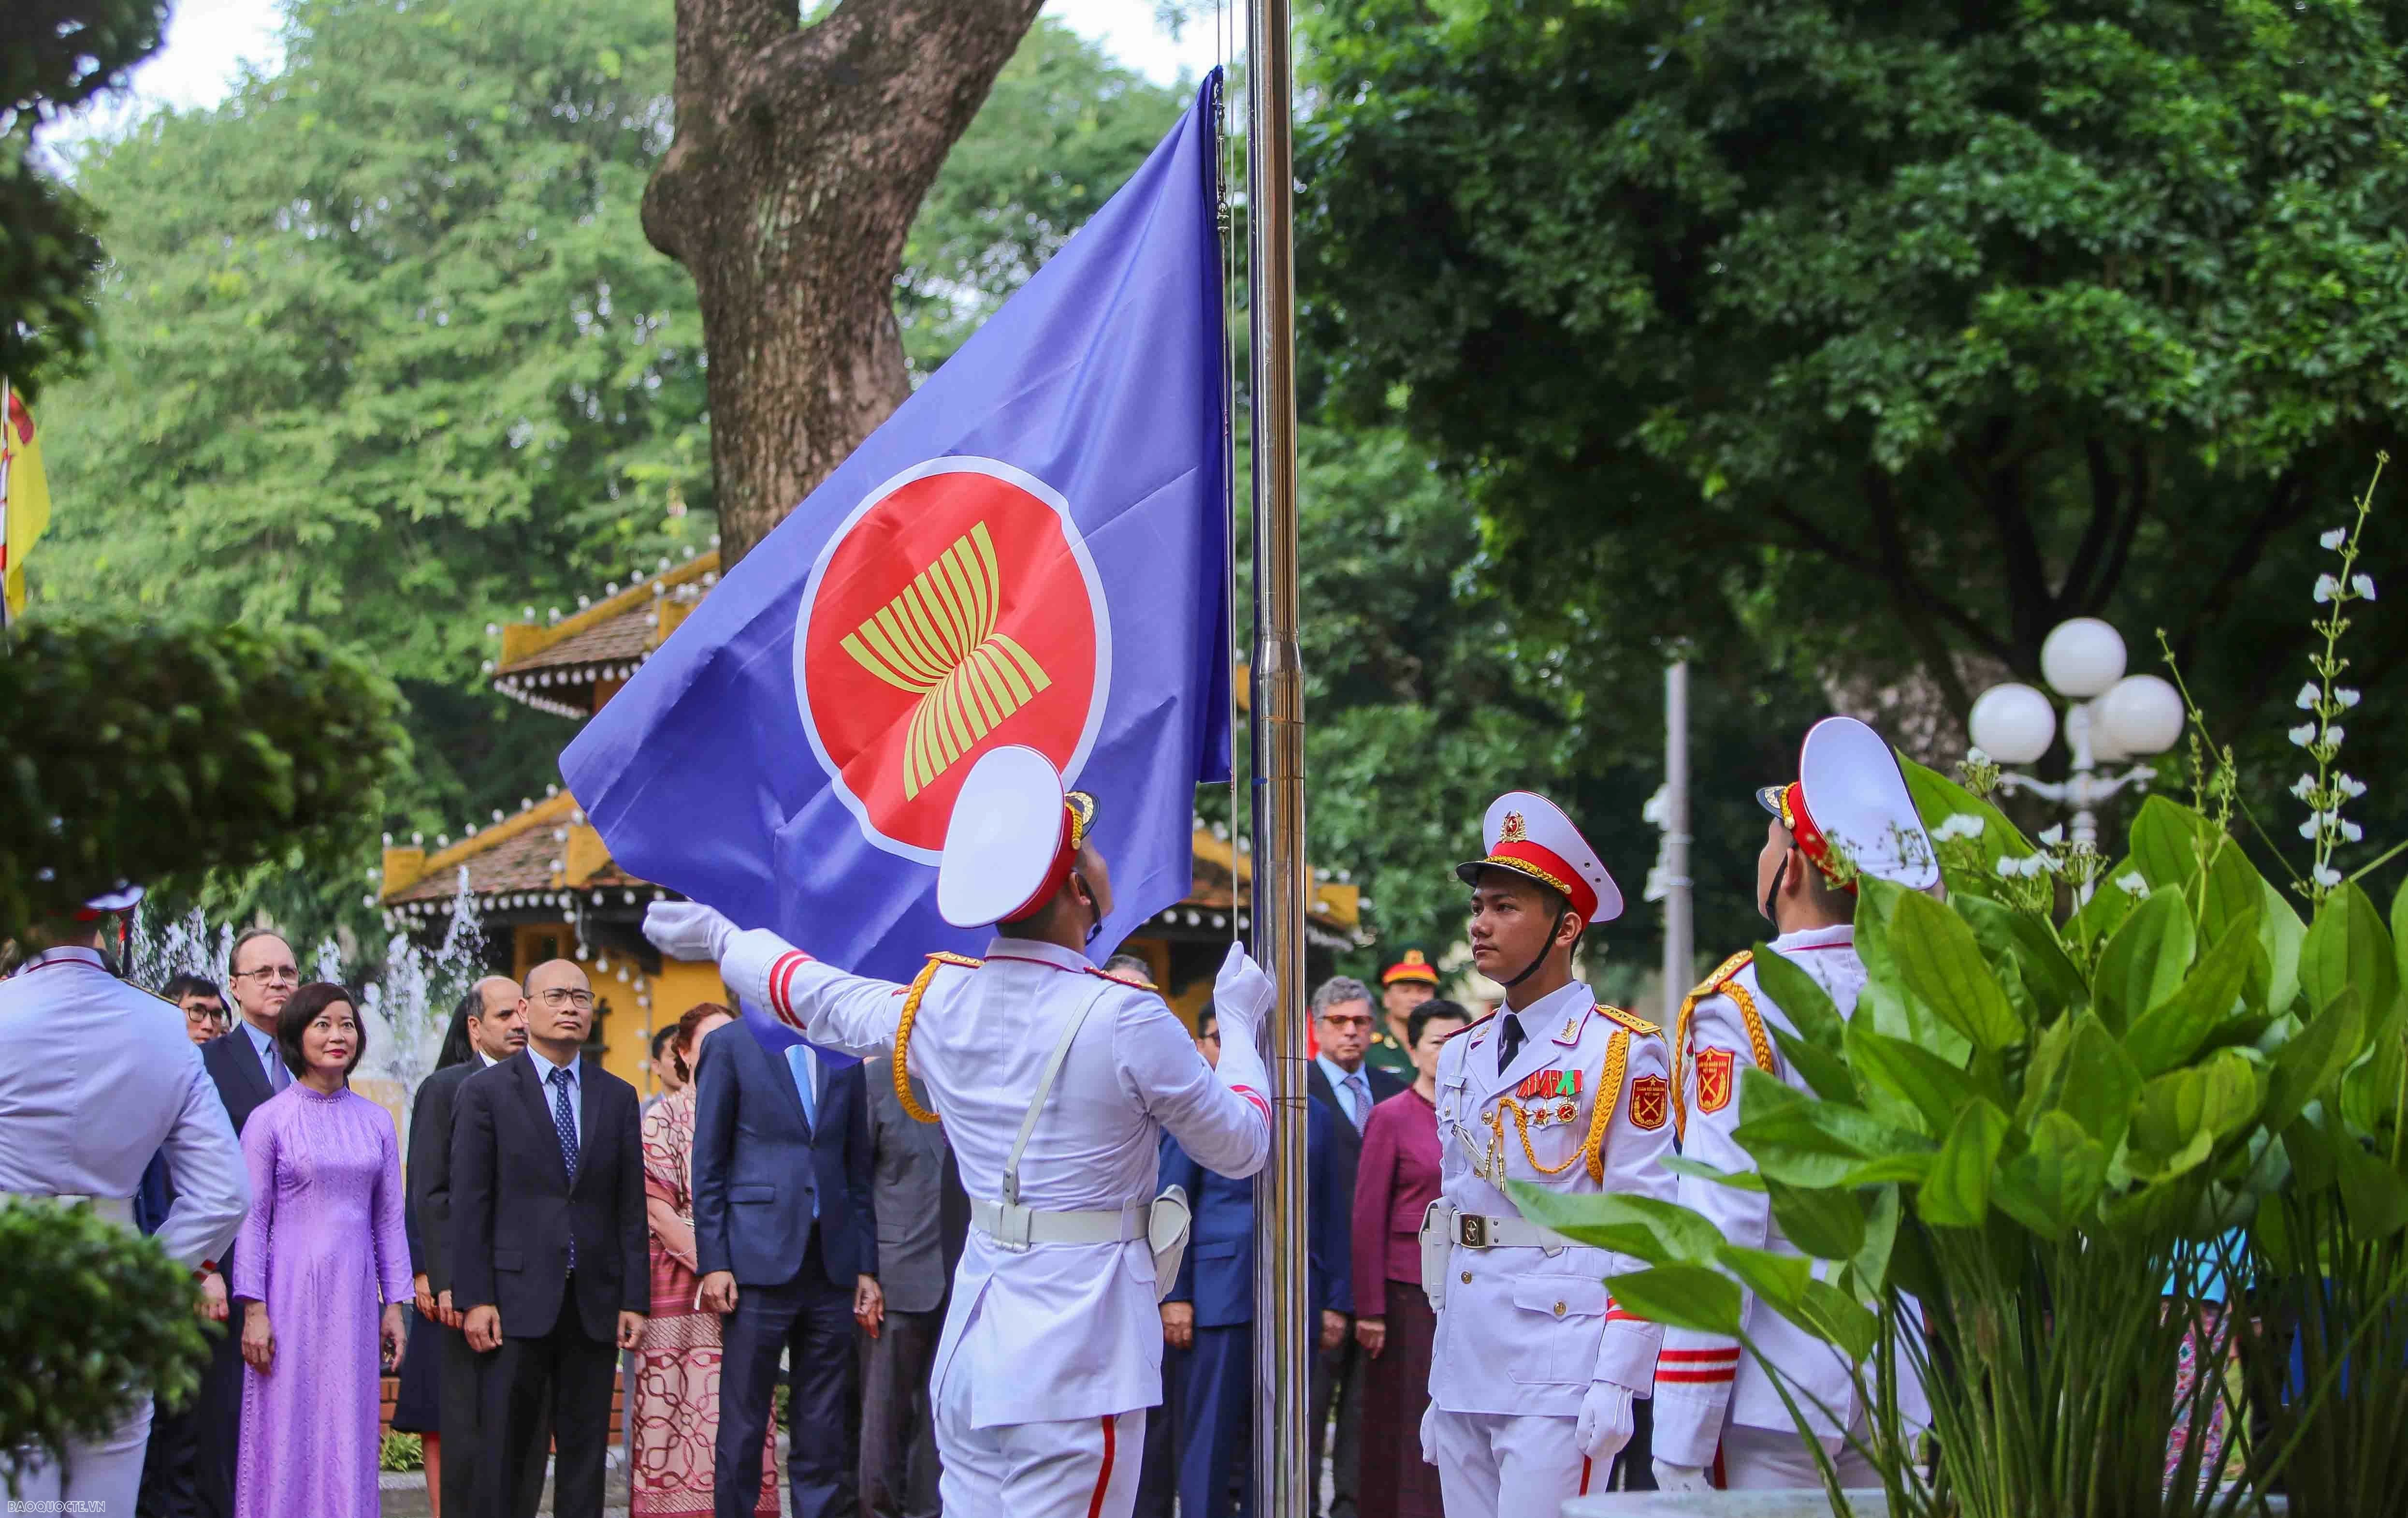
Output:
x=677 y=1406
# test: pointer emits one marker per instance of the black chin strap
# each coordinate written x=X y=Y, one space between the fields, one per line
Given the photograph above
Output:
x=1094 y=912
x=1532 y=968
x=1774 y=889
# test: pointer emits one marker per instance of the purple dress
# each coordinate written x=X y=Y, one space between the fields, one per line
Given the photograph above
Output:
x=323 y=1239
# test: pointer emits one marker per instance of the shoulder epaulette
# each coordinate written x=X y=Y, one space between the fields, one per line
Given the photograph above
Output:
x=1630 y=1020
x=963 y=960
x=1147 y=986
x=1724 y=981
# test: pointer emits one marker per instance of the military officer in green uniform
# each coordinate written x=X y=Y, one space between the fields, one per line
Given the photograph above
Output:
x=1404 y=986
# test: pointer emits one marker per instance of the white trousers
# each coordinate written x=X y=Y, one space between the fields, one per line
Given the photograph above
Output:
x=1079 y=1467
x=101 y=1478
x=1515 y=1465
x=1777 y=1459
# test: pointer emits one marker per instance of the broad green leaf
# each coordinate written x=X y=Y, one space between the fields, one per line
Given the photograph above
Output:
x=1778 y=1279
x=1824 y=1071
x=2165 y=840
x=2347 y=945
x=2312 y=1144
x=1958 y=1193
x=2105 y=911
x=2145 y=960
x=2311 y=1059
x=2284 y=936
x=1800 y=996
x=1838 y=1319
x=2005 y=933
x=1658 y=1232
x=1936 y=798
x=1700 y=1170
x=2045 y=1071
x=2173 y=1030
x=1896 y=1008
x=2056 y=1181
x=1689 y=1296
x=1761 y=1094
x=1937 y=953
x=1823 y=1143
x=1890 y=1169
x=1828 y=1225
x=2234 y=889
x=1927 y=1086
x=2373 y=1192
x=2371 y=1088
x=2214 y=1098
x=1872 y=1262
x=2100 y=1082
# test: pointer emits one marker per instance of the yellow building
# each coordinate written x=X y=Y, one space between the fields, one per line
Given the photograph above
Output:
x=545 y=887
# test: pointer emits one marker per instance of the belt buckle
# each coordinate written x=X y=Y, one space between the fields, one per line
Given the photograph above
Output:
x=1013 y=1224
x=1475 y=1230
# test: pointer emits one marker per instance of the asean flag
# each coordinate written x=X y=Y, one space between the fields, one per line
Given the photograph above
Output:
x=1033 y=549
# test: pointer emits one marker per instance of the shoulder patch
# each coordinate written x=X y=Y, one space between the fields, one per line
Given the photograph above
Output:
x=1630 y=1020
x=962 y=960
x=1130 y=981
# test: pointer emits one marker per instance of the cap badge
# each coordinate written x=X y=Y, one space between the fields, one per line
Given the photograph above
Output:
x=1516 y=830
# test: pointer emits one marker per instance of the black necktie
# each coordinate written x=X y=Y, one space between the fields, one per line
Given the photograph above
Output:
x=1509 y=1041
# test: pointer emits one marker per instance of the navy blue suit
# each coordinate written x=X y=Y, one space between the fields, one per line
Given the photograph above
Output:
x=1218 y=1277
x=762 y=1169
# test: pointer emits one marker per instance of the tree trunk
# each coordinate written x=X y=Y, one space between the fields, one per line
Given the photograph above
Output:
x=800 y=158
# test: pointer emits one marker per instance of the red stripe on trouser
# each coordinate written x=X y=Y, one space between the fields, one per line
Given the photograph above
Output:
x=1693 y=1378
x=1584 y=1491
x=1721 y=1476
x=1104 y=1477
x=1694 y=1355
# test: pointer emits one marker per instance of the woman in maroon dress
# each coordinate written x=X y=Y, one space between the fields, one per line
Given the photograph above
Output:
x=1393 y=1188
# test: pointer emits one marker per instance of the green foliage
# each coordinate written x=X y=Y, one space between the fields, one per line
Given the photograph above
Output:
x=402 y=1451
x=148 y=753
x=91 y=1318
x=56 y=55
x=1880 y=337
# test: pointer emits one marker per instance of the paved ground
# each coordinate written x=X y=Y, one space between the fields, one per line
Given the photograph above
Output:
x=405 y=1494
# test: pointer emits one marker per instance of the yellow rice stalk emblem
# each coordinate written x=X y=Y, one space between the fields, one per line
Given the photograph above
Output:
x=937 y=641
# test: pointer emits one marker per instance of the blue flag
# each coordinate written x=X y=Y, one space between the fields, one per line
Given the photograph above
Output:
x=1032 y=549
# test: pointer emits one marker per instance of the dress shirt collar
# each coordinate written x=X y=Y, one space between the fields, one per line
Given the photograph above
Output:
x=543 y=1068
x=1843 y=936
x=1560 y=1002
x=262 y=1044
x=1004 y=947
x=485 y=1061
x=70 y=955
x=1338 y=1074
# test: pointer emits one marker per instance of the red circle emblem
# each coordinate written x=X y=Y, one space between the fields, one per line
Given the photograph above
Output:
x=956 y=611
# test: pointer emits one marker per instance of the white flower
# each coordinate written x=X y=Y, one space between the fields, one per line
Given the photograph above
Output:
x=2349 y=785
x=2326 y=588
x=2333 y=734
x=2051 y=837
x=2313 y=825
x=2364 y=585
x=2345 y=697
x=1962 y=824
x=2008 y=868
x=2309 y=696
x=2133 y=883
x=2335 y=539
x=2327 y=876
x=2040 y=862
x=2305 y=734
x=1975 y=756
x=2304 y=787
x=2351 y=832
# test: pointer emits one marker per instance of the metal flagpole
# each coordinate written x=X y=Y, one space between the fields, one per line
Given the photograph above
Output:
x=1679 y=970
x=1285 y=1467
x=8 y=452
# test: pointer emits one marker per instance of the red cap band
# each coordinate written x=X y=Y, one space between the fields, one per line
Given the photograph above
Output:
x=1548 y=866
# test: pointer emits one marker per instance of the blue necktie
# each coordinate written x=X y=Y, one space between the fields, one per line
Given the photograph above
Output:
x=798 y=1059
x=565 y=1121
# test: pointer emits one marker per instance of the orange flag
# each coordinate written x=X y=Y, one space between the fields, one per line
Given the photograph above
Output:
x=25 y=498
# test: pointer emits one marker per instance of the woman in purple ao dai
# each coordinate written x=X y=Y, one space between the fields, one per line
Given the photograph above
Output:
x=321 y=1272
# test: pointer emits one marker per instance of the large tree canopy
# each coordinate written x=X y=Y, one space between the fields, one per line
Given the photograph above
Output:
x=1883 y=337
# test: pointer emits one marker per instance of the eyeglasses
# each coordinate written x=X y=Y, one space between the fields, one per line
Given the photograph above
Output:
x=267 y=973
x=1213 y=1036
x=556 y=998
x=1349 y=1024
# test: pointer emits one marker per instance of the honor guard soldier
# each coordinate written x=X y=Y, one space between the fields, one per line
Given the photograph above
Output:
x=1719 y=1418
x=1055 y=1082
x=96 y=1077
x=1404 y=986
x=1534 y=1368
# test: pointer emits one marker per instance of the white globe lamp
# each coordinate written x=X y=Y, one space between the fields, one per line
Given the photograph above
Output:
x=2082 y=657
x=2013 y=723
x=2143 y=714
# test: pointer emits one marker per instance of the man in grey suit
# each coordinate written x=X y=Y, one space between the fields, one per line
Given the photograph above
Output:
x=923 y=1216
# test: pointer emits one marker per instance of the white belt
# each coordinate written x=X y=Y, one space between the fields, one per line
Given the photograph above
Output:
x=1474 y=1231
x=117 y=1209
x=1016 y=1227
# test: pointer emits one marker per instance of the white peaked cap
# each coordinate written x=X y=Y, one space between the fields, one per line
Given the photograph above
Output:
x=1530 y=836
x=121 y=899
x=1009 y=840
x=1856 y=798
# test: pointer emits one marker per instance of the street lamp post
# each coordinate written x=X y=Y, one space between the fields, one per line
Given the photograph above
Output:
x=2111 y=717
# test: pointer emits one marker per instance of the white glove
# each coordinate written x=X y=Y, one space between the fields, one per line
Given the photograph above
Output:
x=1682 y=1477
x=1430 y=1434
x=1605 y=1424
x=688 y=930
x=1242 y=997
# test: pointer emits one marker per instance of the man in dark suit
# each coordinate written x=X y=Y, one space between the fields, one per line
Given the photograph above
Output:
x=247 y=1070
x=1341 y=1079
x=922 y=1218
x=549 y=1266
x=1210 y=1310
x=782 y=1230
x=496 y=1031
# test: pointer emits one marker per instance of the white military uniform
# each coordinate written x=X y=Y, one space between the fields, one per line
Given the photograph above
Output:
x=1715 y=1406
x=96 y=1077
x=1527 y=1326
x=1051 y=1353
